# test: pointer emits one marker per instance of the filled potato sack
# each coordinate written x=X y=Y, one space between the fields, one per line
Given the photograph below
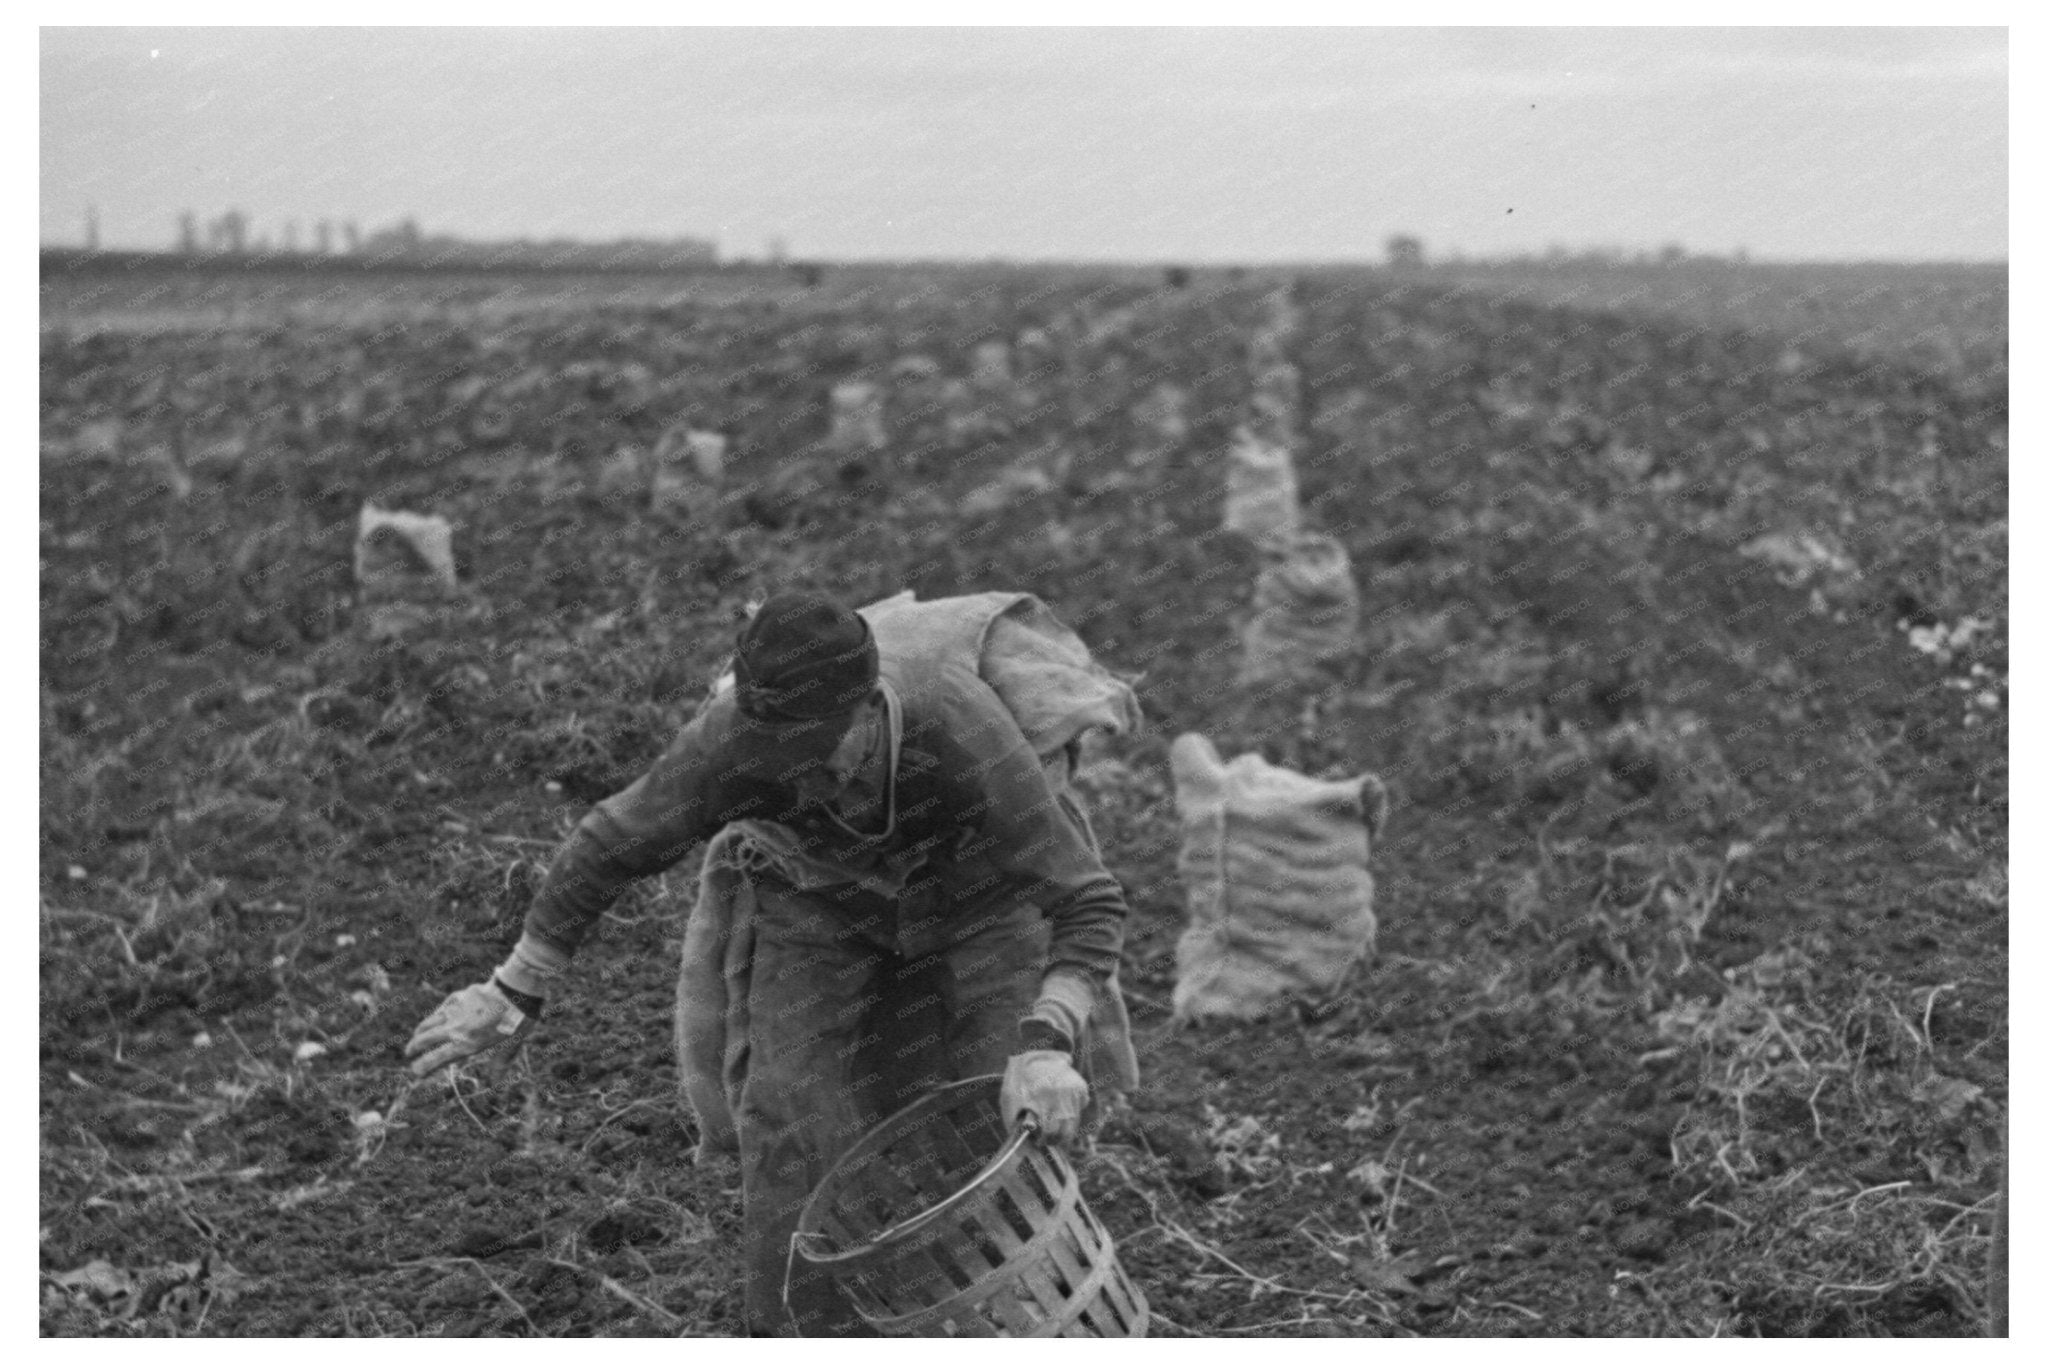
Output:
x=1278 y=891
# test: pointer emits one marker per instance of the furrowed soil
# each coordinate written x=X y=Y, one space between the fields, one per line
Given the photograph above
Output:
x=1684 y=655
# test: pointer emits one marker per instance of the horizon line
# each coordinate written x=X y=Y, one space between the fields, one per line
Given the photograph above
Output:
x=1601 y=256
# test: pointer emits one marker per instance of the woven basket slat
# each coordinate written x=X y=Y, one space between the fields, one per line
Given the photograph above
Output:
x=940 y=1223
x=1004 y=1278
x=1084 y=1296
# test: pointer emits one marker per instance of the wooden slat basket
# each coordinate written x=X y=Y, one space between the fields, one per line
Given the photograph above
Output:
x=941 y=1223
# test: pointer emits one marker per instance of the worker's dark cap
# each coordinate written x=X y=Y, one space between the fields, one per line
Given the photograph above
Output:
x=804 y=657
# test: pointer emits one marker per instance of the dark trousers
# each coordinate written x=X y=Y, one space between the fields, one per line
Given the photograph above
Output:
x=857 y=1004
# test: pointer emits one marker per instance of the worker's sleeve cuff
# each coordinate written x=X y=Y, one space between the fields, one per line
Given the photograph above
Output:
x=1065 y=1001
x=533 y=966
x=529 y=1005
x=1035 y=1034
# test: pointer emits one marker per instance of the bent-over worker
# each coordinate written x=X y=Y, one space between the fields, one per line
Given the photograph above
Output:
x=969 y=898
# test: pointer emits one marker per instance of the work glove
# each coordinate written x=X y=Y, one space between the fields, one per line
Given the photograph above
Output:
x=476 y=1019
x=1045 y=1085
x=468 y=1021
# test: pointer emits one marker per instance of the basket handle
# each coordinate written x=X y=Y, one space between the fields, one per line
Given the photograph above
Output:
x=1027 y=1128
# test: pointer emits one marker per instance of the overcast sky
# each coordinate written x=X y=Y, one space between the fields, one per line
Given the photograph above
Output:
x=1104 y=144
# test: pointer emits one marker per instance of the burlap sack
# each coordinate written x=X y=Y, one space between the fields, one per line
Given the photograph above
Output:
x=1037 y=355
x=1276 y=404
x=857 y=419
x=1278 y=891
x=1103 y=328
x=705 y=451
x=1260 y=500
x=1279 y=314
x=914 y=368
x=1014 y=483
x=405 y=568
x=913 y=403
x=1163 y=421
x=687 y=464
x=971 y=414
x=992 y=367
x=1304 y=610
x=995 y=378
x=1265 y=350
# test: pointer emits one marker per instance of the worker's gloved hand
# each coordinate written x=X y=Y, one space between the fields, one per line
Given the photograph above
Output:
x=468 y=1021
x=1046 y=1085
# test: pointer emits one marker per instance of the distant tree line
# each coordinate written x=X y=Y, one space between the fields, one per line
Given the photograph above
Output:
x=1405 y=252
x=229 y=234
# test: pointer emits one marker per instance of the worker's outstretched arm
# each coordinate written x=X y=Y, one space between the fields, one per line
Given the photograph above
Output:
x=640 y=831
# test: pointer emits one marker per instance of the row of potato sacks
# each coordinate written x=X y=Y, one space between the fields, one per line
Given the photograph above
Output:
x=1305 y=603
x=1274 y=863
x=404 y=560
x=1006 y=381
x=685 y=462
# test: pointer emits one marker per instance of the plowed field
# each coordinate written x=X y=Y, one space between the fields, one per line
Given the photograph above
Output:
x=1684 y=655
